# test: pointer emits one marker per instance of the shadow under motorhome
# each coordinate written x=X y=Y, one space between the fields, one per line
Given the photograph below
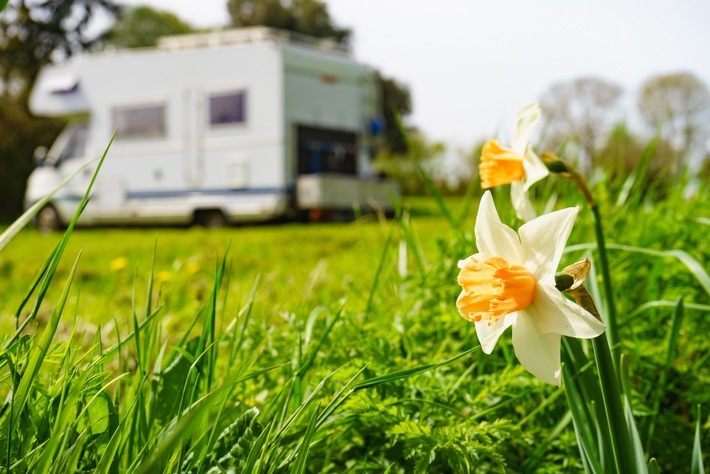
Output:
x=235 y=126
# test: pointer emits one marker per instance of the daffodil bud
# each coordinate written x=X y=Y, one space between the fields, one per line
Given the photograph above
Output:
x=554 y=163
x=557 y=165
x=563 y=281
x=577 y=273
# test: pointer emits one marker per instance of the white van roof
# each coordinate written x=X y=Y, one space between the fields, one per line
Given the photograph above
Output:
x=257 y=34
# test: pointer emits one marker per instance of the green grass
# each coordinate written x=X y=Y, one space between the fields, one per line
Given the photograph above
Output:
x=297 y=265
x=300 y=348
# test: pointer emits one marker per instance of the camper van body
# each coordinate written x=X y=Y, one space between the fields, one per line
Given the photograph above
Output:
x=241 y=125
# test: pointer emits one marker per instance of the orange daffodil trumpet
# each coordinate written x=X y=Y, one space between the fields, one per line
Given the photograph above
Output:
x=518 y=166
x=511 y=282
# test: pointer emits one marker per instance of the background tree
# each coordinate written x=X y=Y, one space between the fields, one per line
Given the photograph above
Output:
x=309 y=17
x=396 y=104
x=622 y=151
x=141 y=26
x=33 y=34
x=579 y=113
x=679 y=106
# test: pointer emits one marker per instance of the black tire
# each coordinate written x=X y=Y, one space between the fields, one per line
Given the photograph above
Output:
x=211 y=218
x=47 y=219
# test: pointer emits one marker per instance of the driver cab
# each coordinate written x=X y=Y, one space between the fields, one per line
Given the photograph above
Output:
x=71 y=143
x=65 y=156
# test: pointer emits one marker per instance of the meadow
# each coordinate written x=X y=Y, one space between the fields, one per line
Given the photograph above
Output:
x=336 y=347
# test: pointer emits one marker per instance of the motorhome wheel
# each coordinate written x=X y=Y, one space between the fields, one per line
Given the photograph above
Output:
x=48 y=219
x=212 y=218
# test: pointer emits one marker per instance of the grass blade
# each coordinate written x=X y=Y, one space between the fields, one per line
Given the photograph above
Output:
x=402 y=374
x=172 y=436
x=661 y=386
x=39 y=352
x=696 y=465
x=586 y=439
x=455 y=226
x=302 y=457
x=637 y=445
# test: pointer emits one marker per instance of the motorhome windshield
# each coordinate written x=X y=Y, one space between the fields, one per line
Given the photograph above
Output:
x=70 y=144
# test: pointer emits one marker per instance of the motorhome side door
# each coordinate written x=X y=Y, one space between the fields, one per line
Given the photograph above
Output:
x=192 y=132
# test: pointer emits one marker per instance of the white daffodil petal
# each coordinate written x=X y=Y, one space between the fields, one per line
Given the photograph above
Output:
x=488 y=335
x=462 y=263
x=539 y=353
x=544 y=239
x=493 y=238
x=521 y=202
x=535 y=169
x=527 y=119
x=557 y=314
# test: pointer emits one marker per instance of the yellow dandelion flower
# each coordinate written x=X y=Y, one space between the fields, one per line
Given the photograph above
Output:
x=163 y=276
x=118 y=264
x=193 y=267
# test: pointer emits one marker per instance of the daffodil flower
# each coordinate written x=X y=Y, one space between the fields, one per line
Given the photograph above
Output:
x=518 y=166
x=511 y=282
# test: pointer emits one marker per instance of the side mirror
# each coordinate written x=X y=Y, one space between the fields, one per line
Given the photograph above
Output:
x=40 y=155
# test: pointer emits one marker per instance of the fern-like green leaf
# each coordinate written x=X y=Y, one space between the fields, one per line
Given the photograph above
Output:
x=232 y=447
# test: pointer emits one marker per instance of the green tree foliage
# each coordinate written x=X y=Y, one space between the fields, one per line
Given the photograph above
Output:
x=142 y=26
x=21 y=134
x=33 y=34
x=396 y=103
x=679 y=106
x=621 y=152
x=308 y=17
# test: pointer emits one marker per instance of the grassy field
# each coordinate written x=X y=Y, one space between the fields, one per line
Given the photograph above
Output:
x=295 y=265
x=170 y=338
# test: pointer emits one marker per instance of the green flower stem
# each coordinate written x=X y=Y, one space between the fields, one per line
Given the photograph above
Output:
x=611 y=394
x=559 y=166
x=606 y=351
x=612 y=326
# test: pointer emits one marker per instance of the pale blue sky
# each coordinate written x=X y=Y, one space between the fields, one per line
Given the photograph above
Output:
x=472 y=64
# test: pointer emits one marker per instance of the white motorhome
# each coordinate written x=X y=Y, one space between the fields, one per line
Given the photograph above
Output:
x=214 y=128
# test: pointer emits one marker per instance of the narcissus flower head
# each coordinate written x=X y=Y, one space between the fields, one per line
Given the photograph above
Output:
x=518 y=165
x=499 y=165
x=511 y=282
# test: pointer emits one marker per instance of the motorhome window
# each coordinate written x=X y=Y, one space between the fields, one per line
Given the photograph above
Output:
x=322 y=150
x=147 y=121
x=227 y=108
